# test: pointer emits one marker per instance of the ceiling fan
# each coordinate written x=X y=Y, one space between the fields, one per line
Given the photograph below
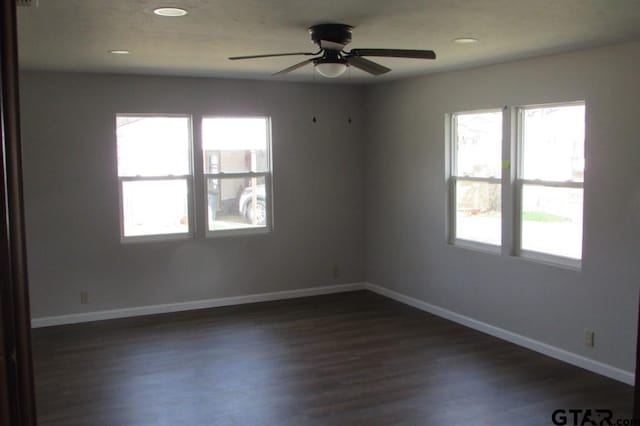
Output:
x=332 y=60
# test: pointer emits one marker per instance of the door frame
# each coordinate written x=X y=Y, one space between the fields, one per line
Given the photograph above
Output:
x=17 y=396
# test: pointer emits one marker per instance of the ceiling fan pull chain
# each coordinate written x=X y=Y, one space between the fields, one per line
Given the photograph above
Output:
x=313 y=72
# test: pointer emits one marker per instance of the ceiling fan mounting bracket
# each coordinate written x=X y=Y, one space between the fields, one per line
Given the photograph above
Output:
x=336 y=33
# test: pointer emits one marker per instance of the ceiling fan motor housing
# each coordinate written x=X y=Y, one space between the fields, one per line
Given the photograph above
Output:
x=336 y=33
x=330 y=56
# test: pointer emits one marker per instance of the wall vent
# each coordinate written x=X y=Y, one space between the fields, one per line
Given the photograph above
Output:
x=27 y=3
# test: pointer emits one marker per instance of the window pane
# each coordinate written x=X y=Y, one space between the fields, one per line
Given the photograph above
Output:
x=552 y=220
x=237 y=203
x=155 y=207
x=478 y=212
x=235 y=145
x=153 y=146
x=478 y=144
x=553 y=143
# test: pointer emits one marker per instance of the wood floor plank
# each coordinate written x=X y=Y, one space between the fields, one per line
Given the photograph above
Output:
x=345 y=359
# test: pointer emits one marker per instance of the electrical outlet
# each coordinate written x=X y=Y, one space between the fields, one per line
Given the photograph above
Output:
x=589 y=338
x=84 y=297
x=336 y=272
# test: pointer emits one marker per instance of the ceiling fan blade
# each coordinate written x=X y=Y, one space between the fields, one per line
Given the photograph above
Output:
x=367 y=65
x=271 y=55
x=331 y=45
x=294 y=67
x=395 y=53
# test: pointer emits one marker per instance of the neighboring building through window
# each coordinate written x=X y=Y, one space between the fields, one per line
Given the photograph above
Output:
x=155 y=177
x=237 y=168
x=475 y=182
x=550 y=179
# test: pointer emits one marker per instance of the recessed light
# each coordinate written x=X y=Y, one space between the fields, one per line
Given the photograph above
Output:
x=170 y=11
x=119 y=52
x=465 y=40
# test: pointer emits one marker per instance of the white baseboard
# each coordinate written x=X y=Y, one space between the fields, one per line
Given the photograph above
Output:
x=612 y=372
x=192 y=305
x=535 y=345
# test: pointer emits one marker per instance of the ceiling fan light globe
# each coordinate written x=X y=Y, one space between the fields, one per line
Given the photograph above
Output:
x=331 y=69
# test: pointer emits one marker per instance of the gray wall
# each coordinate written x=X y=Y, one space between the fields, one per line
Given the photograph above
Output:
x=71 y=193
x=327 y=177
x=406 y=193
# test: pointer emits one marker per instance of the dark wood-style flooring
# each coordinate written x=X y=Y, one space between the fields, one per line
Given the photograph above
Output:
x=345 y=359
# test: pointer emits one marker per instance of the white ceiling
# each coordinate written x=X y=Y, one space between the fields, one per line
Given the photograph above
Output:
x=76 y=34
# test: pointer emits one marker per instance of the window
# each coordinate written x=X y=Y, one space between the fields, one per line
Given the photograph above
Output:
x=156 y=176
x=550 y=179
x=475 y=183
x=542 y=194
x=237 y=167
x=154 y=173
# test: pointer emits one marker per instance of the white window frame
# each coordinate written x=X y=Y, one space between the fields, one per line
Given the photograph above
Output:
x=189 y=178
x=451 y=137
x=268 y=228
x=520 y=182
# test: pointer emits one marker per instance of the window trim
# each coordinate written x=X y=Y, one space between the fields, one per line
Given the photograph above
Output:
x=520 y=182
x=268 y=182
x=189 y=178
x=453 y=178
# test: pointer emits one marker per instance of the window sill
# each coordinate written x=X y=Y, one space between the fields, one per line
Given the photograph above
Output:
x=155 y=238
x=551 y=260
x=238 y=232
x=476 y=246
